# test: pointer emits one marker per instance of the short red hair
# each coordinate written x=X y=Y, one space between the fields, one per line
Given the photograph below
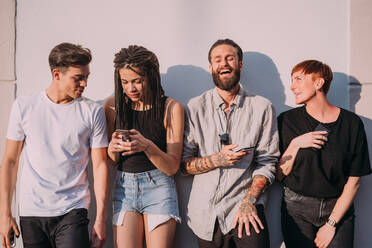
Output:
x=318 y=68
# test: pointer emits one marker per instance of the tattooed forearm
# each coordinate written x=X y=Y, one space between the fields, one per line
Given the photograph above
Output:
x=258 y=185
x=198 y=165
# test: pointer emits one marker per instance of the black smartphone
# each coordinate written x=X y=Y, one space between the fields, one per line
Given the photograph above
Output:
x=321 y=127
x=12 y=239
x=244 y=149
x=124 y=134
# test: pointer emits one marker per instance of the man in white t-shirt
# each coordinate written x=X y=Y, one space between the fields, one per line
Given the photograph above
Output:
x=59 y=131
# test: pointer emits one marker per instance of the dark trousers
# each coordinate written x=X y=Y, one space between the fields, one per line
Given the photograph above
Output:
x=231 y=239
x=302 y=217
x=67 y=231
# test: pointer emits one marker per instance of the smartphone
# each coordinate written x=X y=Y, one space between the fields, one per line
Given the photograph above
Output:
x=244 y=149
x=124 y=134
x=12 y=239
x=321 y=127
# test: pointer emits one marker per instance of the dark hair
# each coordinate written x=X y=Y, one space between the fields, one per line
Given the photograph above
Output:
x=153 y=93
x=226 y=42
x=66 y=54
x=322 y=70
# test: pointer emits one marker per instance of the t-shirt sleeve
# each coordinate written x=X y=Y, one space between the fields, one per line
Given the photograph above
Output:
x=15 y=129
x=360 y=163
x=98 y=136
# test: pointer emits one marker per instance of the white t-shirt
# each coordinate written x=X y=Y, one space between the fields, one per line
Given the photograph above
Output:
x=57 y=141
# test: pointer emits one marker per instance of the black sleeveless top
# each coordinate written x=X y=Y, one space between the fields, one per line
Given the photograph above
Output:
x=139 y=162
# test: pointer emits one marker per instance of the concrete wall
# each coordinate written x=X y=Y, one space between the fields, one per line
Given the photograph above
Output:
x=274 y=36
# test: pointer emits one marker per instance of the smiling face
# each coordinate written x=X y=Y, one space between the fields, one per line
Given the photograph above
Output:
x=225 y=67
x=132 y=84
x=72 y=81
x=304 y=86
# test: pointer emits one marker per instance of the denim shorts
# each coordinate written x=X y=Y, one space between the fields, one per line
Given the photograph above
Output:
x=151 y=192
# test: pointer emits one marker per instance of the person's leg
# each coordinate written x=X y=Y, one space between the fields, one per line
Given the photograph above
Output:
x=72 y=230
x=162 y=235
x=255 y=240
x=34 y=234
x=299 y=219
x=296 y=230
x=130 y=233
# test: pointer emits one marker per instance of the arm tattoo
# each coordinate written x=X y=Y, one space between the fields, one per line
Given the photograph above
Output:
x=258 y=185
x=198 y=165
x=282 y=169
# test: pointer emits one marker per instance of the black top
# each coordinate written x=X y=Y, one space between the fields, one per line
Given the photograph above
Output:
x=323 y=173
x=139 y=162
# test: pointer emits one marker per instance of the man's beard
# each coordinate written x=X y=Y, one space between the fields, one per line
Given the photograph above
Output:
x=226 y=83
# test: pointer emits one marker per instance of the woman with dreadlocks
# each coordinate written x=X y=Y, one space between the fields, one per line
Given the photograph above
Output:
x=145 y=199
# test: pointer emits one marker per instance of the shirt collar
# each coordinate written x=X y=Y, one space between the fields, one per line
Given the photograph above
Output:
x=219 y=103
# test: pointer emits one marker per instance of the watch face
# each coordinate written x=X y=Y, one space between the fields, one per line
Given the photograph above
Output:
x=252 y=200
x=332 y=223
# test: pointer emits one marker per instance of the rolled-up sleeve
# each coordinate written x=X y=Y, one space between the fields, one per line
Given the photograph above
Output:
x=267 y=150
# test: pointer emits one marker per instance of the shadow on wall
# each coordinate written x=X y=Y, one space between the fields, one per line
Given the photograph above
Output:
x=183 y=82
x=339 y=90
x=363 y=199
x=261 y=76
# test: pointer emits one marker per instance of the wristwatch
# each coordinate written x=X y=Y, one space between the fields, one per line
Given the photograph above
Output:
x=252 y=200
x=331 y=222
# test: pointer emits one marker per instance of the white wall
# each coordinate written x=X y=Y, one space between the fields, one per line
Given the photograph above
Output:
x=274 y=35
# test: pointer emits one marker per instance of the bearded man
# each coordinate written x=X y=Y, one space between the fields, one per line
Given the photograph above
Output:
x=231 y=148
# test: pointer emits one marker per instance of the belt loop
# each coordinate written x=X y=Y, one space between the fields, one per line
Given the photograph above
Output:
x=122 y=176
x=149 y=177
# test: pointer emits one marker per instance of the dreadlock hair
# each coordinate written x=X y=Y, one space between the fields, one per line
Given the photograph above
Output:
x=146 y=64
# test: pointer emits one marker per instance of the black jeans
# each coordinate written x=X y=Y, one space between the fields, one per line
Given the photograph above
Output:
x=231 y=239
x=302 y=217
x=67 y=231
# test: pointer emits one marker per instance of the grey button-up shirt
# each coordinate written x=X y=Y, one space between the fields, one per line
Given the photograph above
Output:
x=218 y=193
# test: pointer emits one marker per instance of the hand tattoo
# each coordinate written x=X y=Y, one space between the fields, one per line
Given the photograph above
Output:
x=221 y=159
x=247 y=207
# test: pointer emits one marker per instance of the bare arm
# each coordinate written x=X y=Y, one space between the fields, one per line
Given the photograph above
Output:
x=101 y=190
x=113 y=150
x=312 y=139
x=326 y=232
x=169 y=162
x=8 y=179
